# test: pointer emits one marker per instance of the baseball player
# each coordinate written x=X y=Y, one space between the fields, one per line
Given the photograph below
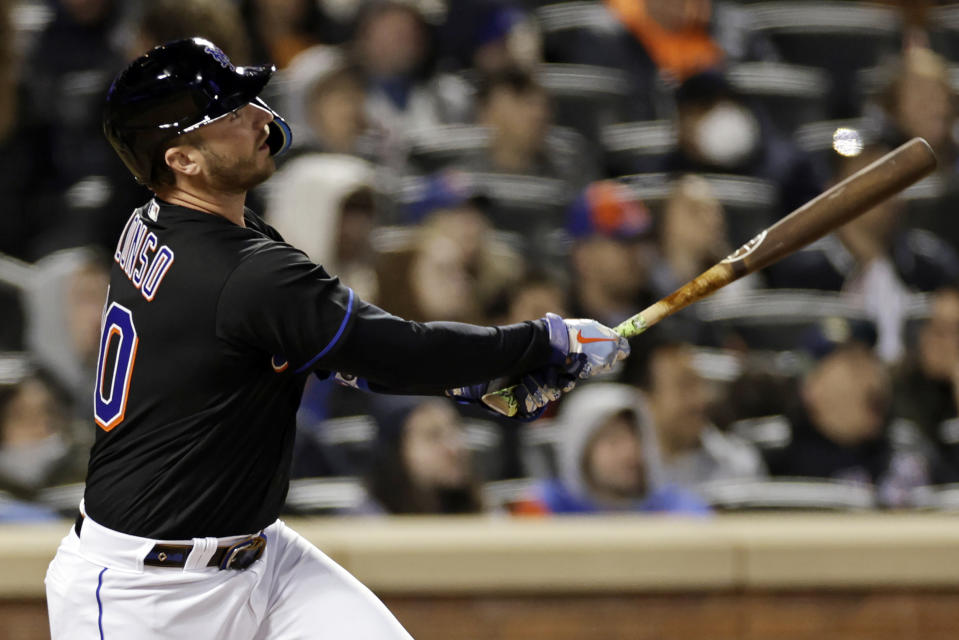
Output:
x=211 y=325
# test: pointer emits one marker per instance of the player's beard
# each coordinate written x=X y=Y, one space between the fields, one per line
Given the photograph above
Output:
x=237 y=175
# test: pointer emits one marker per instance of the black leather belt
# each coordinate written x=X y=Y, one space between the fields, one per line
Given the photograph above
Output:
x=236 y=556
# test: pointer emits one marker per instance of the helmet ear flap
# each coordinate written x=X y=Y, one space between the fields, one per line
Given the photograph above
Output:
x=280 y=136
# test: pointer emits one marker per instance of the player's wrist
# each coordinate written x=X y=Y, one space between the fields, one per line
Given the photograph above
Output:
x=559 y=340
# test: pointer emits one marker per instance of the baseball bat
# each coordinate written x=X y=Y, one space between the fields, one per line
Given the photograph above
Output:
x=833 y=208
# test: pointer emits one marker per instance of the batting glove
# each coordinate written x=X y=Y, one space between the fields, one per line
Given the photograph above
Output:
x=533 y=392
x=584 y=348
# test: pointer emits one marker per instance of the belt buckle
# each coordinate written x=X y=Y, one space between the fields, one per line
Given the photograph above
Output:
x=244 y=553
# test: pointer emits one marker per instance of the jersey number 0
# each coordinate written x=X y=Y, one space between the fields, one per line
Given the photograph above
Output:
x=119 y=340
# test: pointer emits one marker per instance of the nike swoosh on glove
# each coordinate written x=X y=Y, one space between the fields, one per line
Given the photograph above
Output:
x=584 y=348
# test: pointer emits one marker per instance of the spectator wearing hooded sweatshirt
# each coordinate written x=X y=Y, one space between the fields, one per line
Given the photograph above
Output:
x=608 y=459
x=63 y=309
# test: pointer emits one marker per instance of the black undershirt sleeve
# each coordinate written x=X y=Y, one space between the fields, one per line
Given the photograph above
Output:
x=427 y=358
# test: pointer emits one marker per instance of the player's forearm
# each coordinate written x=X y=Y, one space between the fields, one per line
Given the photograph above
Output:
x=428 y=358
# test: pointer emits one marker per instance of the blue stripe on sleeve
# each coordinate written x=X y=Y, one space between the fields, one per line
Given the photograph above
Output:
x=339 y=332
x=99 y=603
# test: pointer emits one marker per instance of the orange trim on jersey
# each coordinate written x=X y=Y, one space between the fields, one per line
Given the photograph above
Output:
x=126 y=384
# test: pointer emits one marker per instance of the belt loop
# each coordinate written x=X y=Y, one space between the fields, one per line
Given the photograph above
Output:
x=203 y=550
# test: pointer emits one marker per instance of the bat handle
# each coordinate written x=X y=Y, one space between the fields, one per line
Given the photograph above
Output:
x=504 y=400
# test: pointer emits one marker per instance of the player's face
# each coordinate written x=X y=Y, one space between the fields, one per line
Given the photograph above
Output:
x=235 y=155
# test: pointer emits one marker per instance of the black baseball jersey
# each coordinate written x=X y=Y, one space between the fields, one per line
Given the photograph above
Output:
x=209 y=332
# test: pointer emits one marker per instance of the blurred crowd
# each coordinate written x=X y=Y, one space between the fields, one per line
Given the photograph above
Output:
x=488 y=161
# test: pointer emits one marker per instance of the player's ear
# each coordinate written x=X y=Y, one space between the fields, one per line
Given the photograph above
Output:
x=183 y=159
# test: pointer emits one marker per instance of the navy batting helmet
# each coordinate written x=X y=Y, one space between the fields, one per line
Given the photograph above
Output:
x=175 y=88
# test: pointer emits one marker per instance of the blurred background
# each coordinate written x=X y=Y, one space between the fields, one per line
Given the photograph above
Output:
x=488 y=161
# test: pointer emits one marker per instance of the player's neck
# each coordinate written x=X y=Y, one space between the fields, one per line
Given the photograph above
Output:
x=225 y=205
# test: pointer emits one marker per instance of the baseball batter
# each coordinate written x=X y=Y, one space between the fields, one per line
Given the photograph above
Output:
x=211 y=325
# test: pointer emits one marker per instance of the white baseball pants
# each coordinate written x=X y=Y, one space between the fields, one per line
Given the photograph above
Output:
x=97 y=587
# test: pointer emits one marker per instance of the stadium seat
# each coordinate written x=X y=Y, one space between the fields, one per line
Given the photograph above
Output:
x=585 y=98
x=788 y=95
x=943 y=28
x=775 y=319
x=637 y=147
x=437 y=147
x=807 y=494
x=538 y=442
x=749 y=203
x=319 y=496
x=931 y=204
x=838 y=37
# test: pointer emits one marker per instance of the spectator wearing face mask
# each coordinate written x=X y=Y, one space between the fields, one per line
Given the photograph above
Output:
x=608 y=460
x=843 y=427
x=720 y=132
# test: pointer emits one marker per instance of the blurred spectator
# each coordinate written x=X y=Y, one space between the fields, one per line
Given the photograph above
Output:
x=692 y=238
x=609 y=264
x=394 y=48
x=608 y=459
x=516 y=110
x=489 y=36
x=35 y=448
x=87 y=192
x=875 y=261
x=694 y=451
x=535 y=295
x=63 y=311
x=216 y=20
x=280 y=29
x=843 y=427
x=920 y=101
x=927 y=384
x=323 y=100
x=454 y=268
x=719 y=132
x=324 y=204
x=421 y=464
x=674 y=34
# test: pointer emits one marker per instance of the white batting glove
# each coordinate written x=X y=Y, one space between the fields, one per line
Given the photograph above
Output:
x=584 y=348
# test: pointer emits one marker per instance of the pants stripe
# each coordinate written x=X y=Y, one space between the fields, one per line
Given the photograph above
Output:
x=100 y=603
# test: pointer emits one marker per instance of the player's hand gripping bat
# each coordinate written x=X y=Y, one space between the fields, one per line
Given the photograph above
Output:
x=833 y=208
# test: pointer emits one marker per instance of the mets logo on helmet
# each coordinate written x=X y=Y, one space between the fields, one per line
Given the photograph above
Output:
x=219 y=56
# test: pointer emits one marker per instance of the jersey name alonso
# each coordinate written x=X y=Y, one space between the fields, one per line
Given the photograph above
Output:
x=208 y=333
